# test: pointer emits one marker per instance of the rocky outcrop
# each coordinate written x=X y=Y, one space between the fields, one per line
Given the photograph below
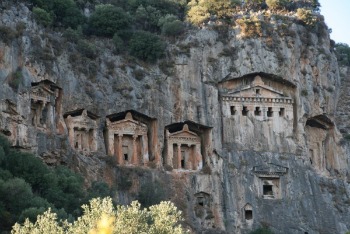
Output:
x=263 y=110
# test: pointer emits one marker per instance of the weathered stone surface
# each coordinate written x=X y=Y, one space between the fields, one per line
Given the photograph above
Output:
x=306 y=189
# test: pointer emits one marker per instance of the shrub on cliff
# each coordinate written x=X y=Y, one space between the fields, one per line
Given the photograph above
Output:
x=277 y=4
x=108 y=20
x=307 y=17
x=146 y=46
x=342 y=51
x=200 y=11
x=42 y=16
x=170 y=25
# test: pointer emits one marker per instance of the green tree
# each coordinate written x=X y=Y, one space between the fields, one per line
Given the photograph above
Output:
x=42 y=16
x=108 y=20
x=201 y=10
x=170 y=25
x=146 y=46
x=118 y=43
x=342 y=51
x=100 y=216
x=147 y=17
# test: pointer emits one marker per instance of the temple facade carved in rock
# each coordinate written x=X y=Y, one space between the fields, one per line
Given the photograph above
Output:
x=257 y=107
x=127 y=140
x=82 y=130
x=43 y=106
x=183 y=149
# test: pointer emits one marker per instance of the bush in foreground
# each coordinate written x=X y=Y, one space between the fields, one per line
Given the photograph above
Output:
x=100 y=216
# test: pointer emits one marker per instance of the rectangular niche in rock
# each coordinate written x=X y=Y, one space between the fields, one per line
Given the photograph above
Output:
x=320 y=141
x=203 y=209
x=248 y=212
x=269 y=180
x=43 y=103
x=82 y=130
x=131 y=137
x=187 y=145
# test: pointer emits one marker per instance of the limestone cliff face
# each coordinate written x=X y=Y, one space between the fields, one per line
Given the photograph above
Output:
x=285 y=167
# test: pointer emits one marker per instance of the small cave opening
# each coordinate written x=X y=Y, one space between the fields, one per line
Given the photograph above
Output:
x=233 y=110
x=269 y=112
x=281 y=112
x=248 y=214
x=245 y=111
x=267 y=190
x=257 y=111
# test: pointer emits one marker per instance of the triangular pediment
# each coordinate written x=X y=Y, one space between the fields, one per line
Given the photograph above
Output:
x=270 y=169
x=250 y=90
x=129 y=122
x=184 y=133
x=41 y=91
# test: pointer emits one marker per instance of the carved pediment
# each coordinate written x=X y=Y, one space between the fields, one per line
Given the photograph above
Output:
x=127 y=126
x=9 y=107
x=249 y=91
x=81 y=121
x=184 y=136
x=270 y=169
x=41 y=93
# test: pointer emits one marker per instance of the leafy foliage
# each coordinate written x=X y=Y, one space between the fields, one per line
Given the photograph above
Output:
x=146 y=46
x=100 y=216
x=306 y=16
x=28 y=188
x=170 y=25
x=342 y=52
x=42 y=16
x=108 y=20
x=151 y=193
x=250 y=27
x=200 y=11
x=59 y=12
x=277 y=4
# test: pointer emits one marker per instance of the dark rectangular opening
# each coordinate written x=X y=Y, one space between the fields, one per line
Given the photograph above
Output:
x=126 y=157
x=245 y=111
x=269 y=112
x=248 y=214
x=257 y=111
x=257 y=91
x=182 y=163
x=233 y=110
x=281 y=112
x=267 y=190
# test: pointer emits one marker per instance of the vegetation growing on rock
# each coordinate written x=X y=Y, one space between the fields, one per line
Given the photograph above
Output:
x=28 y=187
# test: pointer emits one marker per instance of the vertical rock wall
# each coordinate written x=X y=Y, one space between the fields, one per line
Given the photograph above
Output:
x=309 y=190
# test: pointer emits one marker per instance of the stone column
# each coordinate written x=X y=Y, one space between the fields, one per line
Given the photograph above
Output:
x=199 y=157
x=71 y=135
x=145 y=153
x=40 y=113
x=85 y=140
x=135 y=160
x=178 y=156
x=110 y=143
x=170 y=152
x=120 y=159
